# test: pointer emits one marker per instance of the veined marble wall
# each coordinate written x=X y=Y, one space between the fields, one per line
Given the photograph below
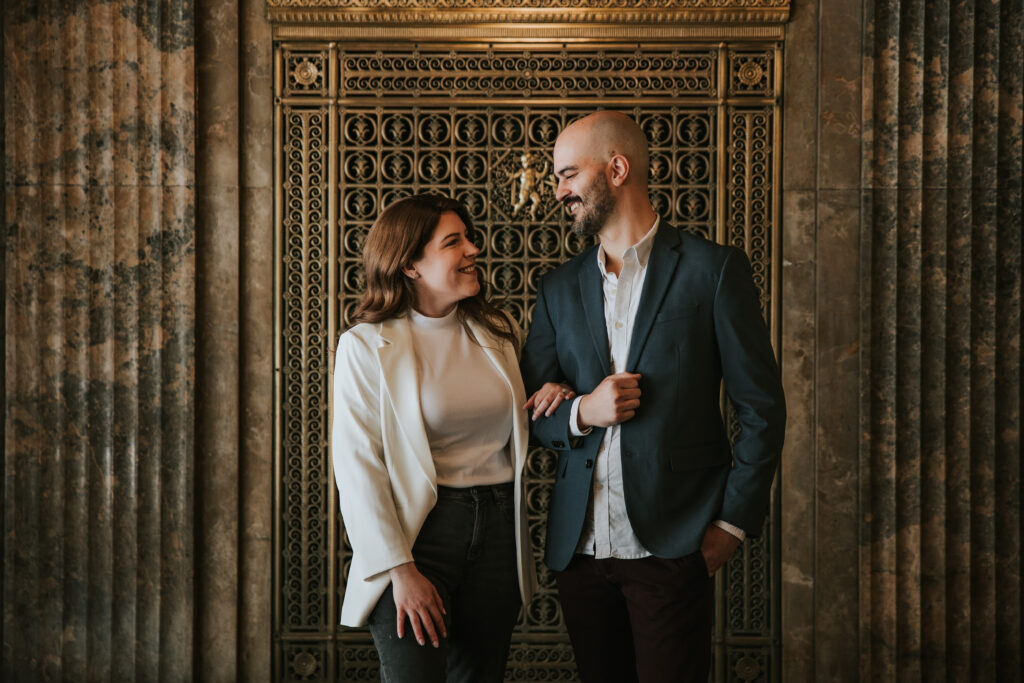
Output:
x=940 y=421
x=99 y=329
x=138 y=321
x=902 y=331
x=137 y=329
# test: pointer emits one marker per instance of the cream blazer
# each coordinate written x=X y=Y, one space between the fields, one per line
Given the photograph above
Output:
x=382 y=463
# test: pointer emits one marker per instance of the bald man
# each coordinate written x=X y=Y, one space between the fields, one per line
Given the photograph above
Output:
x=650 y=499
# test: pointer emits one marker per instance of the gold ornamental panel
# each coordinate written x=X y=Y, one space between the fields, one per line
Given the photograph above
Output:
x=359 y=125
x=333 y=18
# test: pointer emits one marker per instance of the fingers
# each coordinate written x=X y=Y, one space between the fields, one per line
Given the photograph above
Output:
x=564 y=395
x=547 y=399
x=427 y=622
x=417 y=628
x=625 y=380
x=555 y=402
x=540 y=406
x=437 y=611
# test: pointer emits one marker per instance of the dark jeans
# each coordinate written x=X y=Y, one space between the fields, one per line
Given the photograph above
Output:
x=467 y=548
x=646 y=620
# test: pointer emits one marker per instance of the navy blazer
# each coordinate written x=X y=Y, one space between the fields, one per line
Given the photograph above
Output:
x=698 y=326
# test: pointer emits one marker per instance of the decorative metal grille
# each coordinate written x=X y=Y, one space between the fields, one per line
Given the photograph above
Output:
x=359 y=128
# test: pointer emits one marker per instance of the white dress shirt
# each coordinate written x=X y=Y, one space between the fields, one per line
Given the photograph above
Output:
x=607 y=531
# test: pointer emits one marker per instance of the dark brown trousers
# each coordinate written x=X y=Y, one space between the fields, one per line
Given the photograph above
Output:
x=645 y=620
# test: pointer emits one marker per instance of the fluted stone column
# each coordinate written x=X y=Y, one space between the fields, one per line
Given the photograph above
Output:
x=99 y=199
x=235 y=340
x=940 y=467
x=901 y=341
x=137 y=343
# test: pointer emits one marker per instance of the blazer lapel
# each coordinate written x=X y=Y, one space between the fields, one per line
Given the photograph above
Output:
x=592 y=296
x=503 y=356
x=401 y=379
x=660 y=269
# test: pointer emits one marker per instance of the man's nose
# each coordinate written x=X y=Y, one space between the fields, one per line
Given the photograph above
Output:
x=560 y=191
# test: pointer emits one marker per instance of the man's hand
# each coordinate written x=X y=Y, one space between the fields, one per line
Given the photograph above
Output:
x=417 y=598
x=614 y=400
x=717 y=546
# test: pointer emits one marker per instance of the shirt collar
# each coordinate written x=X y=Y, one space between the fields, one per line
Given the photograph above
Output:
x=642 y=249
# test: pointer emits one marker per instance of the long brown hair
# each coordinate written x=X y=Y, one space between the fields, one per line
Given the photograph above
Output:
x=398 y=237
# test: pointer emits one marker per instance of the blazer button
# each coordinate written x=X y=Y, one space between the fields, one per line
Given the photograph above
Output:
x=558 y=444
x=590 y=463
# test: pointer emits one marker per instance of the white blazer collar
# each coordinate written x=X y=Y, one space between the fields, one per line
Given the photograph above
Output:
x=503 y=356
x=401 y=379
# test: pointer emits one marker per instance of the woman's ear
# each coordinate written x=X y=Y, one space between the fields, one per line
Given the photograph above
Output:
x=411 y=273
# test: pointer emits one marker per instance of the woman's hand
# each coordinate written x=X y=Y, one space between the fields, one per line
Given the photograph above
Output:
x=546 y=399
x=417 y=598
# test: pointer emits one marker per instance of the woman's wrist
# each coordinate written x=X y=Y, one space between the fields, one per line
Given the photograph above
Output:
x=402 y=571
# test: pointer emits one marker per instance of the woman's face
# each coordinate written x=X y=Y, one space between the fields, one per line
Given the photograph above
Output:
x=446 y=273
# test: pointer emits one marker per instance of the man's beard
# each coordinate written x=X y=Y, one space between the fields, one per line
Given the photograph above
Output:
x=596 y=205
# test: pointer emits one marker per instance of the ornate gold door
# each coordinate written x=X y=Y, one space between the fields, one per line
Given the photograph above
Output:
x=360 y=124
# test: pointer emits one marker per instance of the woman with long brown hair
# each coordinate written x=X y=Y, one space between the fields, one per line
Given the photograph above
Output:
x=428 y=443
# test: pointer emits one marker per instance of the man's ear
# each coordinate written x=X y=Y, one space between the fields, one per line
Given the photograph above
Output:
x=618 y=167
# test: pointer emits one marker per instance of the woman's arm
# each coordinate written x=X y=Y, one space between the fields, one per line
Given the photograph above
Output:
x=357 y=449
x=364 y=491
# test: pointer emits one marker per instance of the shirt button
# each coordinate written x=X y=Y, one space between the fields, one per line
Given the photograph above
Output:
x=618 y=324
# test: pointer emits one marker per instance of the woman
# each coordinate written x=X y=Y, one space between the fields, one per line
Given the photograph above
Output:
x=428 y=447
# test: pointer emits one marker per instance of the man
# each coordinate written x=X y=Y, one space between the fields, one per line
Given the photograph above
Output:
x=649 y=499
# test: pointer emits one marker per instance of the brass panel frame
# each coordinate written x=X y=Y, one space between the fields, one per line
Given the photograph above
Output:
x=742 y=98
x=528 y=14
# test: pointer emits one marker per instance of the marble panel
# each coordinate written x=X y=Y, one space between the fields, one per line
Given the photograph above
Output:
x=800 y=106
x=838 y=91
x=797 y=466
x=837 y=356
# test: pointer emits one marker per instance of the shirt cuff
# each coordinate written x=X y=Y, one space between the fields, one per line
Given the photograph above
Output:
x=734 y=530
x=574 y=412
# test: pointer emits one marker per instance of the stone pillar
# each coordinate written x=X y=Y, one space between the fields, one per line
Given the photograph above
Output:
x=99 y=318
x=235 y=340
x=901 y=341
x=940 y=465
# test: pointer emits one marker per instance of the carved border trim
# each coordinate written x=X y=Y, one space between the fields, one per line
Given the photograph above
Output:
x=360 y=16
x=306 y=28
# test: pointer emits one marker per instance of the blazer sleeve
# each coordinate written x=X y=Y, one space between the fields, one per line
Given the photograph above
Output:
x=539 y=364
x=753 y=384
x=357 y=450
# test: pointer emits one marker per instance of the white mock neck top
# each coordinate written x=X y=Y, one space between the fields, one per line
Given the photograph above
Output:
x=466 y=403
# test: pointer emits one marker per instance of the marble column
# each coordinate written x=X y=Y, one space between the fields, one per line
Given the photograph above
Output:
x=234 y=427
x=940 y=455
x=901 y=341
x=99 y=318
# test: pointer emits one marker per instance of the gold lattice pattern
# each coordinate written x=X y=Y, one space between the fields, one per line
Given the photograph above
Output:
x=479 y=124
